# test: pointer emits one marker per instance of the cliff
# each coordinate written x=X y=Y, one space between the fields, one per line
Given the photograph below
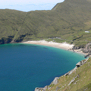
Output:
x=78 y=79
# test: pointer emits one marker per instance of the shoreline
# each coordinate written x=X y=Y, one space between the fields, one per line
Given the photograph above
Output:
x=63 y=45
x=55 y=80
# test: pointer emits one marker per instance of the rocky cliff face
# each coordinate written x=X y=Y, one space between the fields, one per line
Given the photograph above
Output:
x=6 y=40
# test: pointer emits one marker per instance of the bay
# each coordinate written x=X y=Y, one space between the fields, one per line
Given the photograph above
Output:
x=26 y=66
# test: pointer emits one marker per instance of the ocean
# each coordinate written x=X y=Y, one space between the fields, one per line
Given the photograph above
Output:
x=26 y=66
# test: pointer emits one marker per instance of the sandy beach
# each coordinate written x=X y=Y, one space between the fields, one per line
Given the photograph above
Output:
x=63 y=45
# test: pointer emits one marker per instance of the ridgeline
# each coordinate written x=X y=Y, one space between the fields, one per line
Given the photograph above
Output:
x=68 y=21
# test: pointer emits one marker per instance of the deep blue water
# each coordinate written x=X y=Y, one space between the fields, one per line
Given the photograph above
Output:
x=24 y=67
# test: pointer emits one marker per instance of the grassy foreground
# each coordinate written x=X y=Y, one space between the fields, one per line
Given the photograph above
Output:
x=82 y=80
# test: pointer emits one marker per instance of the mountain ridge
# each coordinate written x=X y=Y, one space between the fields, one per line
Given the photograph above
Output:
x=68 y=20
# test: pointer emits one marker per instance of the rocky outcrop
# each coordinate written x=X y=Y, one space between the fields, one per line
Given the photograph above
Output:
x=73 y=80
x=77 y=65
x=42 y=89
x=6 y=40
x=21 y=37
x=55 y=81
x=81 y=62
x=87 y=48
x=70 y=72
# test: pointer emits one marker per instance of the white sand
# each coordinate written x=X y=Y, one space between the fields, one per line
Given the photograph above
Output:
x=53 y=44
x=64 y=45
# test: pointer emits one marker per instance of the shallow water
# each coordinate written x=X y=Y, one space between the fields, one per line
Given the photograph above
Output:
x=26 y=66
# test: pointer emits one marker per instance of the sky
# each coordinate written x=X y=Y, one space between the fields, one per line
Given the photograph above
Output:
x=29 y=5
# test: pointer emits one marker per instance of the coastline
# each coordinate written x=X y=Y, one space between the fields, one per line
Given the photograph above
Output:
x=63 y=45
x=55 y=81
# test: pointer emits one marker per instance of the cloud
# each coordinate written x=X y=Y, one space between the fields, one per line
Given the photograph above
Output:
x=29 y=1
x=29 y=5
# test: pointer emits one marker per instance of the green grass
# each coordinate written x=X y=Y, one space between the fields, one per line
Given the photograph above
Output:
x=82 y=82
x=67 y=20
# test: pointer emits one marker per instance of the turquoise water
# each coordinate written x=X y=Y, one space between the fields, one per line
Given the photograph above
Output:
x=24 y=67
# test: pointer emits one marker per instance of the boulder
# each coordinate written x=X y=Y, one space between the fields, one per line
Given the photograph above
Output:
x=55 y=81
x=41 y=89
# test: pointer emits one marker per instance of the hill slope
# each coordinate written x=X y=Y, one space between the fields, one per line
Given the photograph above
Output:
x=68 y=21
x=79 y=80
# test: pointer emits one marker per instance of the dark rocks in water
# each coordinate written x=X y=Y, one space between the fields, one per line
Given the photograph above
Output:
x=86 y=56
x=81 y=63
x=45 y=48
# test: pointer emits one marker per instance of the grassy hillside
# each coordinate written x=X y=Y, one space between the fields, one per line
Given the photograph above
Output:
x=82 y=81
x=68 y=21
